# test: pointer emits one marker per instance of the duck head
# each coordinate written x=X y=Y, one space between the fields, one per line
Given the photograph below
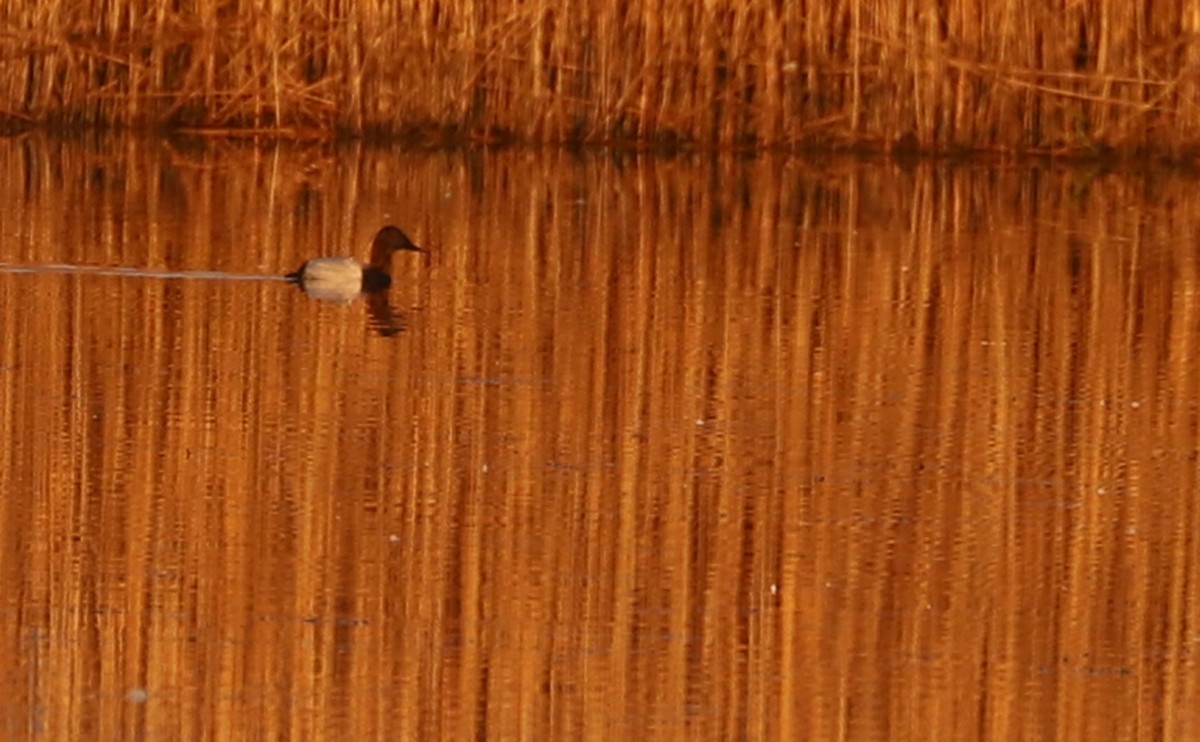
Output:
x=387 y=241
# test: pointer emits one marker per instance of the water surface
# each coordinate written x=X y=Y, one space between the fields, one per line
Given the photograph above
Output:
x=691 y=447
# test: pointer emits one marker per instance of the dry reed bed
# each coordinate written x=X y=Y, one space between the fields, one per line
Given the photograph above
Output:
x=805 y=454
x=964 y=74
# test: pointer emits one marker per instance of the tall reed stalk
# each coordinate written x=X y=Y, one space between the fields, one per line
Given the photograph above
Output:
x=934 y=74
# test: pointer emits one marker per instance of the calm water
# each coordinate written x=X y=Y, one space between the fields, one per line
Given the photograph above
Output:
x=703 y=448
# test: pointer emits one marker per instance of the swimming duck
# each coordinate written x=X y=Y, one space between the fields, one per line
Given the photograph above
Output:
x=345 y=279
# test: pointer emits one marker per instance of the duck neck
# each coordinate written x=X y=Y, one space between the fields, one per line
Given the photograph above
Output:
x=381 y=255
x=375 y=279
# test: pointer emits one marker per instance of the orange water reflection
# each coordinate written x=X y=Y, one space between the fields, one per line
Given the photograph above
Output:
x=705 y=448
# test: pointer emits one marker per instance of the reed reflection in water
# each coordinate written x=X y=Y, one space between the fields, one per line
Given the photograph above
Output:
x=668 y=448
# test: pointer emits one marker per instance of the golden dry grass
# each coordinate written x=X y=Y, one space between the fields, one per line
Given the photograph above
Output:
x=952 y=75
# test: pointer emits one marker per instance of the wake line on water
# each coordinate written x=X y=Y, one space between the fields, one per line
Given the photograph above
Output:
x=92 y=270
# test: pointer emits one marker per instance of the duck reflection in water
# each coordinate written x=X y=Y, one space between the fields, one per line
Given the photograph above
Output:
x=342 y=280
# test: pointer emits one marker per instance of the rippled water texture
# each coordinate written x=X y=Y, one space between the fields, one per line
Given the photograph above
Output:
x=700 y=448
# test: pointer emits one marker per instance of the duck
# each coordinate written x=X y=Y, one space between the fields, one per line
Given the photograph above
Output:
x=342 y=279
